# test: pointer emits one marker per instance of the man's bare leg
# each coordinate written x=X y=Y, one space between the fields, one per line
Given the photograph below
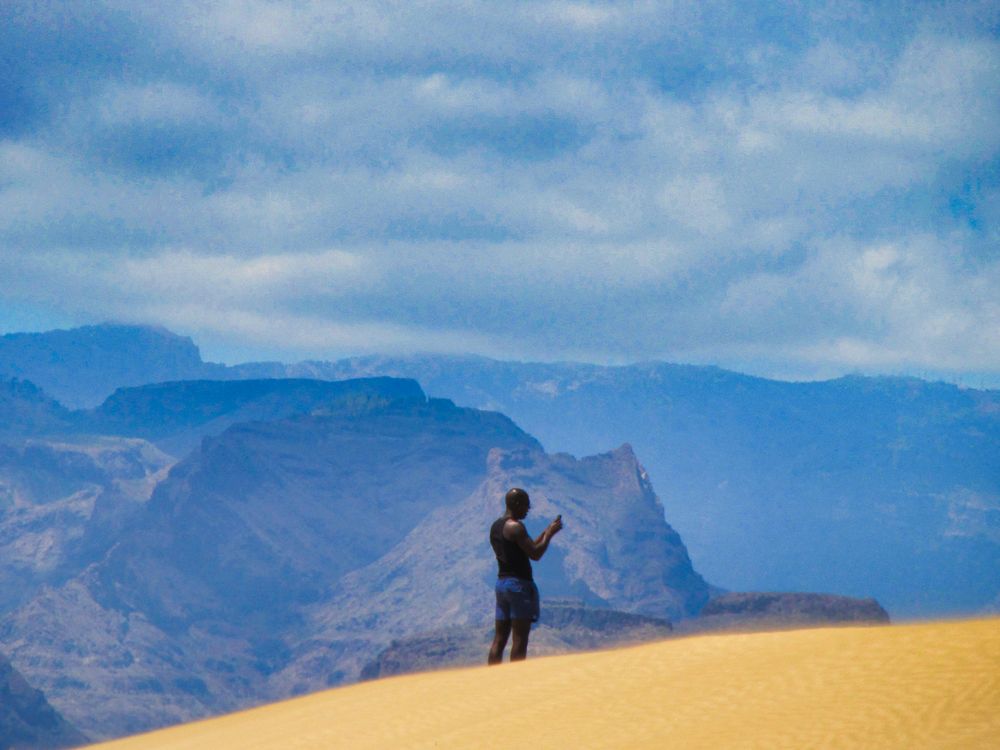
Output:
x=499 y=641
x=519 y=646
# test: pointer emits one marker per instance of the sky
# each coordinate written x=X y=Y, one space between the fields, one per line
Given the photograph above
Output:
x=797 y=190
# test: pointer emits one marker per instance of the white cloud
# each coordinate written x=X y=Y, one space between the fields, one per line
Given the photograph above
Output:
x=593 y=17
x=698 y=203
x=163 y=102
x=183 y=275
x=312 y=336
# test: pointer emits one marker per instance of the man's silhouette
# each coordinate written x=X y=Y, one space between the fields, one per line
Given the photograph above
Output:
x=516 y=593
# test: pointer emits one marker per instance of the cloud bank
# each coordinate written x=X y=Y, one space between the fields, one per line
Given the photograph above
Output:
x=798 y=189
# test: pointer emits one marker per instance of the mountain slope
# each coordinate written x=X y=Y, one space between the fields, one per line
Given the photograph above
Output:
x=27 y=721
x=27 y=410
x=70 y=482
x=63 y=505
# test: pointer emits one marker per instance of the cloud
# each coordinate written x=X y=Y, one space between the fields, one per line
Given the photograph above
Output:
x=800 y=188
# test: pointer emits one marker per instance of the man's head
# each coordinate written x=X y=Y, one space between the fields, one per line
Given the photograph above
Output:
x=518 y=502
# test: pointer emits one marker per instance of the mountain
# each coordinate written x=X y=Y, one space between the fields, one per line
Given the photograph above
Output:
x=282 y=556
x=868 y=487
x=615 y=551
x=884 y=487
x=82 y=366
x=190 y=611
x=269 y=511
x=27 y=721
x=71 y=483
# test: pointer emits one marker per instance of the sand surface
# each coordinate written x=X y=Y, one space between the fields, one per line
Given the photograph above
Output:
x=928 y=685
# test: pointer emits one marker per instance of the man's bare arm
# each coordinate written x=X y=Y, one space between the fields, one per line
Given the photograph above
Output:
x=533 y=548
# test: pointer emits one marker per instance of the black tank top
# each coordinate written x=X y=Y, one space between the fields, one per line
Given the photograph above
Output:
x=512 y=561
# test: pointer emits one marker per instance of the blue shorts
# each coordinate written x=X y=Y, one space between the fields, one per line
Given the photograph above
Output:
x=517 y=599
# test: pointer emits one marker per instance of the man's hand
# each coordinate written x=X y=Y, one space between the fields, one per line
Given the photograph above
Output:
x=514 y=531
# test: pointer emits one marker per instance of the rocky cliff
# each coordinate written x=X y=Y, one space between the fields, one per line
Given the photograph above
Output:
x=745 y=611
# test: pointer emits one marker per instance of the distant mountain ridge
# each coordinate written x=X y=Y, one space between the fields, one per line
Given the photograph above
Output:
x=175 y=415
x=82 y=366
x=885 y=487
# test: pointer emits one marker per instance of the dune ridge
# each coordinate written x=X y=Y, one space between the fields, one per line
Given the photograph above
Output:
x=923 y=685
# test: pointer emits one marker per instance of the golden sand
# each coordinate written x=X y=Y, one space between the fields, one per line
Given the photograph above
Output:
x=928 y=685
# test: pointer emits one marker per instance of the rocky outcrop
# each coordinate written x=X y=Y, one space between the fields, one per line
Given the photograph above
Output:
x=27 y=721
x=565 y=626
x=765 y=610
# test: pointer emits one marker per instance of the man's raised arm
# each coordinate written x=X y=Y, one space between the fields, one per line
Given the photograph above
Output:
x=533 y=548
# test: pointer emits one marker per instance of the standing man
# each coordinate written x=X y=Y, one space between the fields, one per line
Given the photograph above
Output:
x=517 y=595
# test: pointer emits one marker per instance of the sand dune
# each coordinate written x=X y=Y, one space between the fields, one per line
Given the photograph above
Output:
x=929 y=685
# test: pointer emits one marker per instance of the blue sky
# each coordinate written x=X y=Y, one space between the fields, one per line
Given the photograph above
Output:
x=792 y=189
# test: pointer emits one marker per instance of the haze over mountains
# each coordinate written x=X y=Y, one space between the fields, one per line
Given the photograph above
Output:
x=183 y=548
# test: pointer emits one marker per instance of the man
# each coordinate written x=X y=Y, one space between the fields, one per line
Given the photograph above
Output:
x=516 y=593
